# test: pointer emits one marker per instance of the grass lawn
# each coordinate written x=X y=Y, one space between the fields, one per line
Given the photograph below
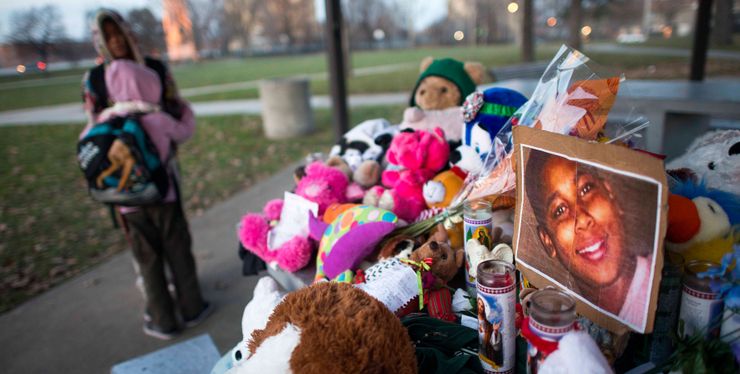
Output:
x=50 y=229
x=238 y=70
x=64 y=87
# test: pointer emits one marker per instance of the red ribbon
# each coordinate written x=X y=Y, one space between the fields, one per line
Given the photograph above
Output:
x=542 y=345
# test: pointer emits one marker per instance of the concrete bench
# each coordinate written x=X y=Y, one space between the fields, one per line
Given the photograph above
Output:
x=196 y=356
x=678 y=111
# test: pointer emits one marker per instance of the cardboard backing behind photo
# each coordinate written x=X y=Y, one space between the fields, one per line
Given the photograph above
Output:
x=611 y=156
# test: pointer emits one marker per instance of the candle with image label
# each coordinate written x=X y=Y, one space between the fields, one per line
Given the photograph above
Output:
x=477 y=224
x=496 y=313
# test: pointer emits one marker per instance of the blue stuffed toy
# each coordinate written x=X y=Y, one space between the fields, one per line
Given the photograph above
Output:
x=485 y=114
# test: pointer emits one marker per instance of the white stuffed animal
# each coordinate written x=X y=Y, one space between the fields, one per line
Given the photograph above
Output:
x=715 y=159
x=266 y=297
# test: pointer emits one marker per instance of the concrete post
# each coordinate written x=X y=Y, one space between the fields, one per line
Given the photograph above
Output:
x=286 y=108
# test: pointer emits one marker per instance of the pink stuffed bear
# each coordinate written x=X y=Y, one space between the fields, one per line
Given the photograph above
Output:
x=294 y=255
x=420 y=154
x=324 y=185
x=321 y=184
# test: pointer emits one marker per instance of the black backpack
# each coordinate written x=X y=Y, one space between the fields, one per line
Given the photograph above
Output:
x=146 y=182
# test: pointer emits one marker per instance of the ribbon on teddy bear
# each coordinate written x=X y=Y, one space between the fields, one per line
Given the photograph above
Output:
x=424 y=265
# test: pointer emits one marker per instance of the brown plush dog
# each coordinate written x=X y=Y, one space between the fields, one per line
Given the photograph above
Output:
x=120 y=157
x=445 y=261
x=342 y=329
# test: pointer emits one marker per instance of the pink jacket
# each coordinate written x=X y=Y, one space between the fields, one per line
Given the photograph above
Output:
x=135 y=88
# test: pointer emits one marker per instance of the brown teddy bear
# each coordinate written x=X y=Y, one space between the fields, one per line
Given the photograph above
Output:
x=445 y=261
x=332 y=327
x=445 y=83
x=439 y=92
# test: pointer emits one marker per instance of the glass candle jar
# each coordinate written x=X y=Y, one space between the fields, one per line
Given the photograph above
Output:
x=496 y=313
x=701 y=308
x=477 y=224
x=552 y=314
x=666 y=315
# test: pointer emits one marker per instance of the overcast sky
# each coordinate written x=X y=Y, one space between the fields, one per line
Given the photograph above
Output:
x=73 y=12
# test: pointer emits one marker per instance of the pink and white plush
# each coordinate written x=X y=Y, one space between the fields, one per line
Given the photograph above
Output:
x=293 y=255
x=420 y=155
x=450 y=120
x=324 y=185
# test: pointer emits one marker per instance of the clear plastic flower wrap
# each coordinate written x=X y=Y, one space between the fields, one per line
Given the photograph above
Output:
x=573 y=97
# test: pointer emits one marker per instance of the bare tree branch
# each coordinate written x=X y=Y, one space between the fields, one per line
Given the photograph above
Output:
x=38 y=27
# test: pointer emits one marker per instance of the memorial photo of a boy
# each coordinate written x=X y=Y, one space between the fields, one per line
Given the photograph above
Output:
x=591 y=230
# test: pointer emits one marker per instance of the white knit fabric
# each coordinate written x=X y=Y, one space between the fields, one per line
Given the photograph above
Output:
x=392 y=282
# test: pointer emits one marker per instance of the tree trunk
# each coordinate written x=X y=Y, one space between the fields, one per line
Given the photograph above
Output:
x=723 y=20
x=574 y=24
x=527 y=31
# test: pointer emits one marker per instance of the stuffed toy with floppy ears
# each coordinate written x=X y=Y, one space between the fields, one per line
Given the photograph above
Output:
x=485 y=114
x=358 y=155
x=327 y=327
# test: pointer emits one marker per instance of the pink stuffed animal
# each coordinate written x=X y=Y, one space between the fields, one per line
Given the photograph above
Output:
x=321 y=184
x=420 y=154
x=324 y=185
x=294 y=255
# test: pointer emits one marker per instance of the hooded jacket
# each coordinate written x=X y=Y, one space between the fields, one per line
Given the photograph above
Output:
x=94 y=101
x=131 y=88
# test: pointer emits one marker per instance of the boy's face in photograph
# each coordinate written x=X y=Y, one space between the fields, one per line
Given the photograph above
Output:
x=115 y=40
x=582 y=224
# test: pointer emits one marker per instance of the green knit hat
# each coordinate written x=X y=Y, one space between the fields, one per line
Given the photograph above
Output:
x=452 y=70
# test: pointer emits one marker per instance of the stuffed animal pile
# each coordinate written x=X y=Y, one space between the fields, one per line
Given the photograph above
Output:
x=382 y=176
x=344 y=214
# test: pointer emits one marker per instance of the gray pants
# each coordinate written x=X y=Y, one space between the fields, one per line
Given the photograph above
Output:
x=159 y=234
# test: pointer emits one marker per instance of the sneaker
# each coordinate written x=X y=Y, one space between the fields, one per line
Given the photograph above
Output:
x=156 y=332
x=205 y=313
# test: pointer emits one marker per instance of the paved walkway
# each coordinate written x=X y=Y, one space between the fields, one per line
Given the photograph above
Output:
x=93 y=321
x=73 y=114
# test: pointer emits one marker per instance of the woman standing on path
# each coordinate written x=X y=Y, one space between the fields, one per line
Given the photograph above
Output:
x=158 y=233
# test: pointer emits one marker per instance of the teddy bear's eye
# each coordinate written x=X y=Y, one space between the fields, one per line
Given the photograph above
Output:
x=735 y=149
x=444 y=90
x=710 y=165
x=422 y=92
x=433 y=245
